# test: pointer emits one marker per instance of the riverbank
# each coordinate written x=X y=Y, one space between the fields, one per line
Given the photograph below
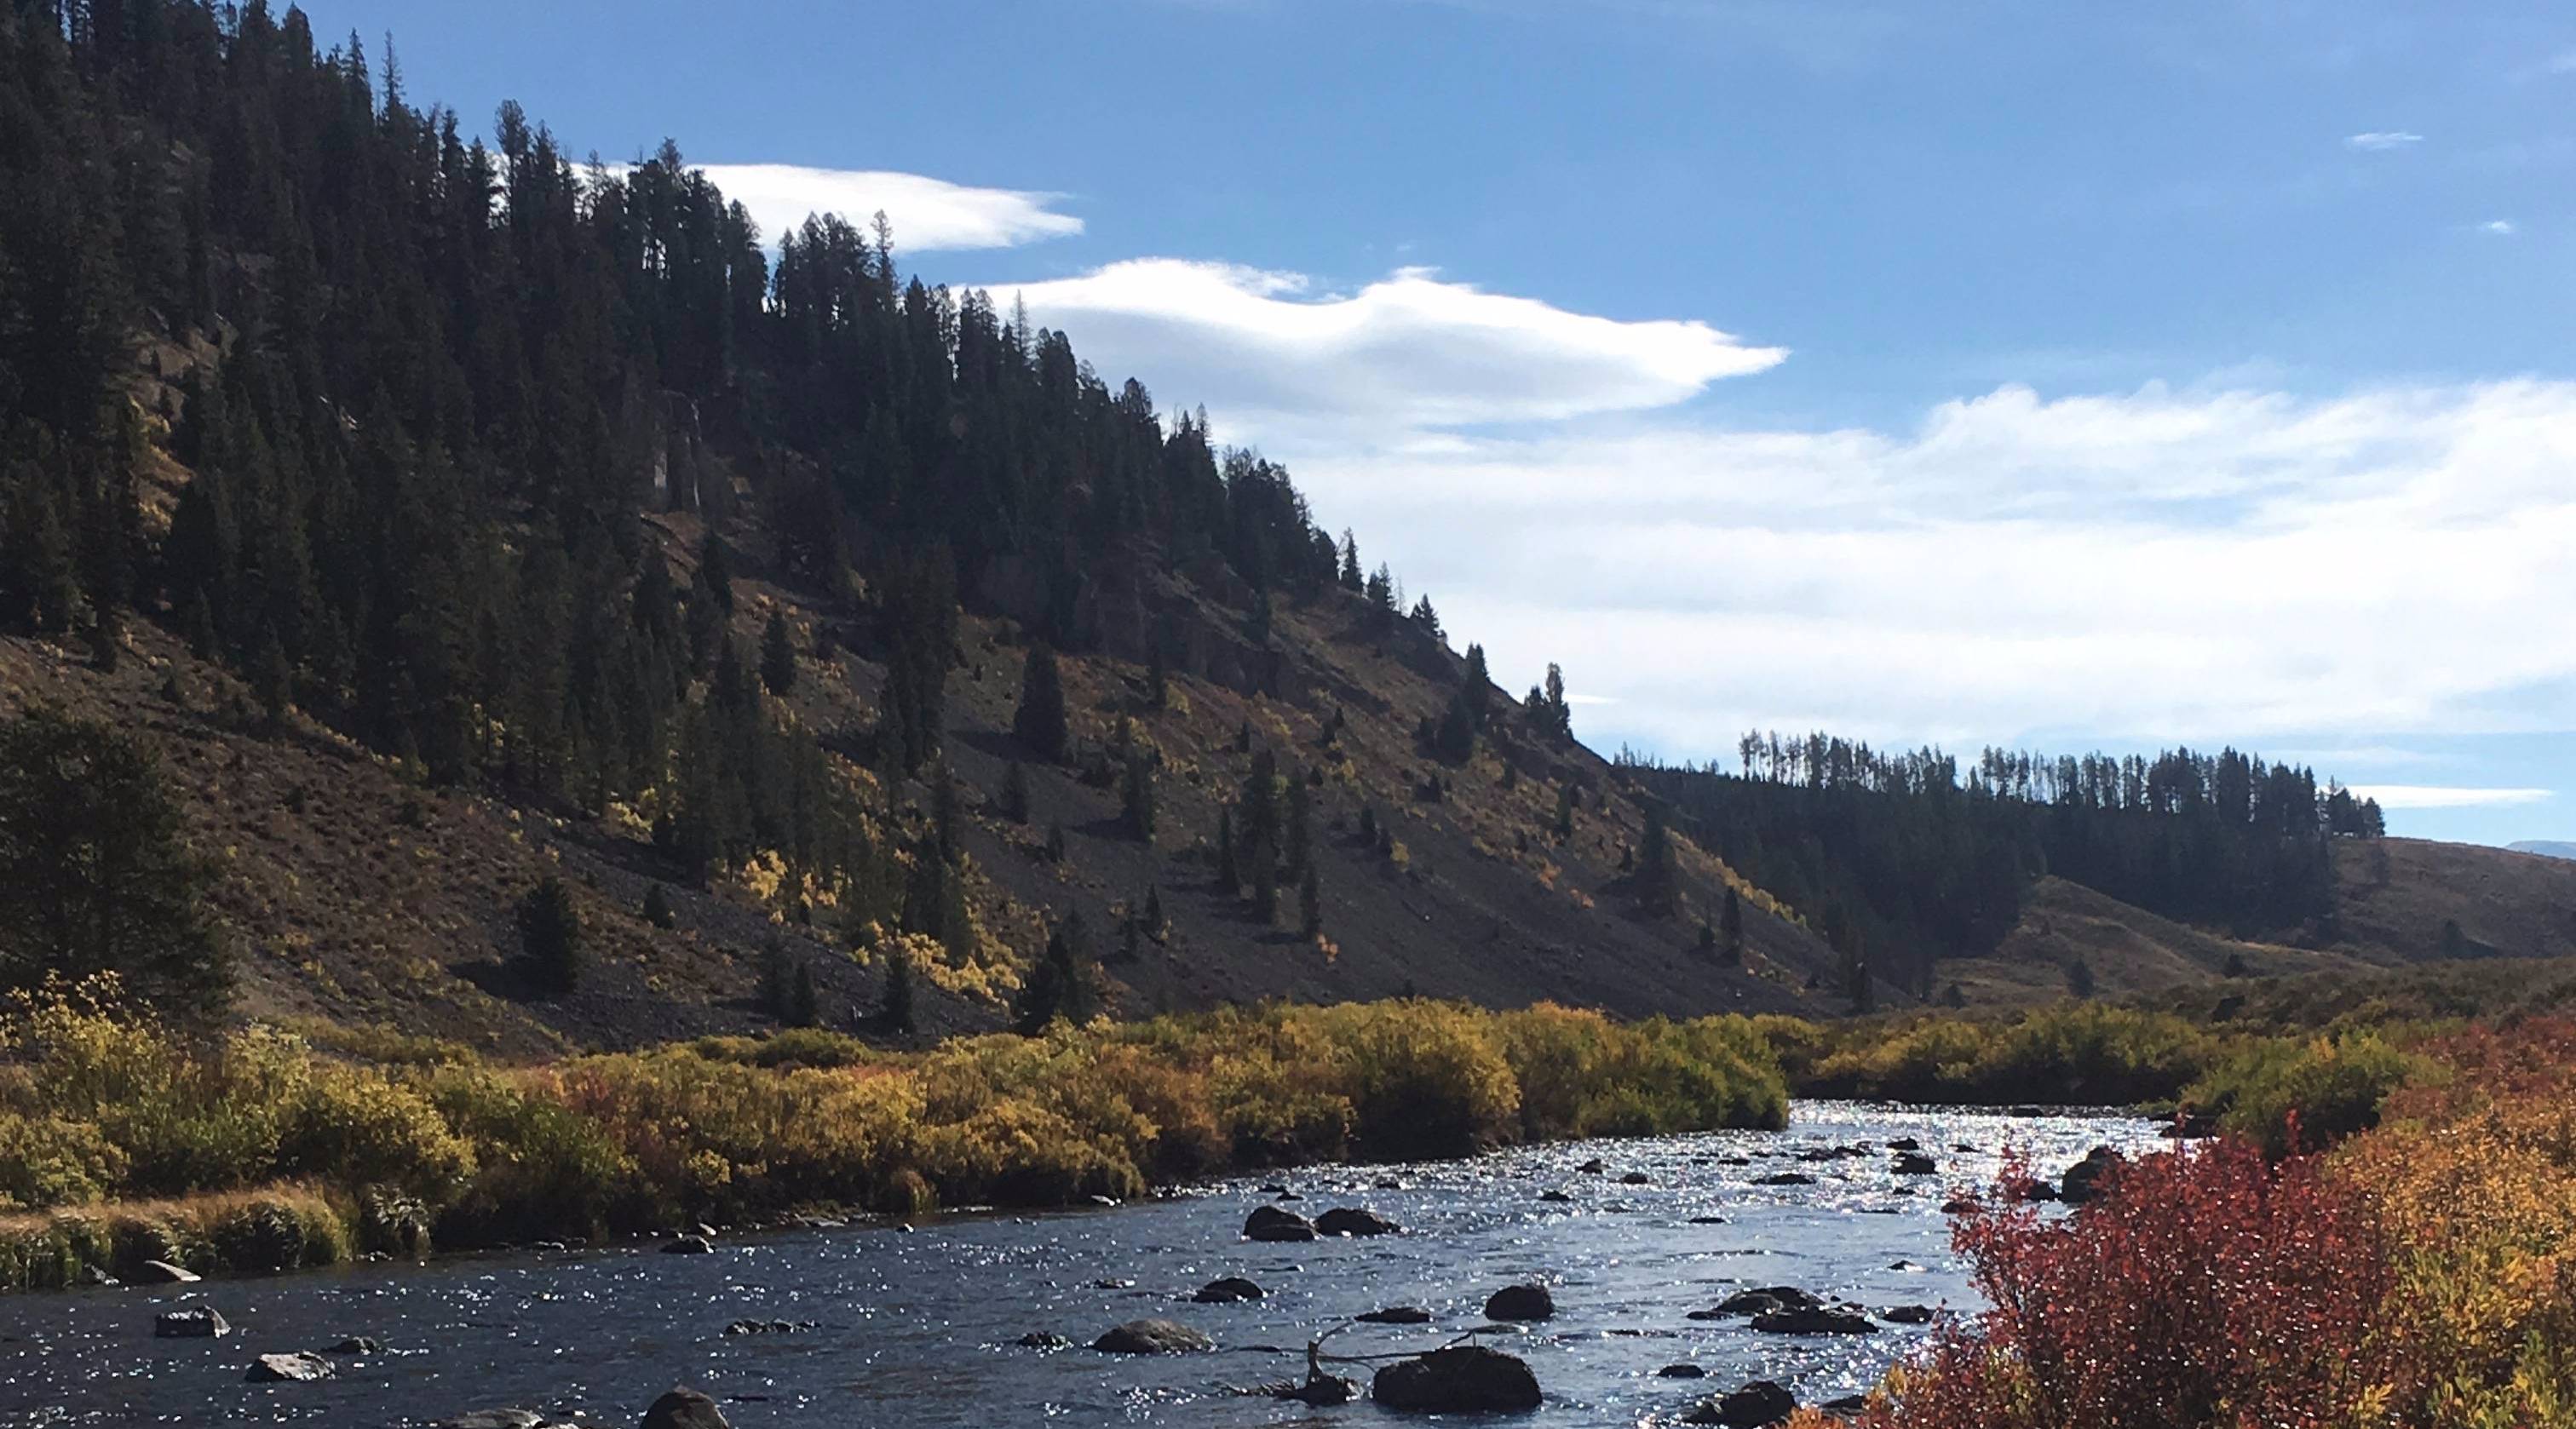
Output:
x=122 y=1143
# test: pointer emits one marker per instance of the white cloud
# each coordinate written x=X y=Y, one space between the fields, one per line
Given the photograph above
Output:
x=2202 y=563
x=2444 y=796
x=2500 y=227
x=929 y=215
x=2382 y=140
x=1409 y=352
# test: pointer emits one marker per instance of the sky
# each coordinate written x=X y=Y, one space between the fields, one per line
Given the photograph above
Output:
x=2054 y=376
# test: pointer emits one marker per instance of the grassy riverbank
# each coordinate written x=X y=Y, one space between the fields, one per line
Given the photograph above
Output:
x=264 y=1150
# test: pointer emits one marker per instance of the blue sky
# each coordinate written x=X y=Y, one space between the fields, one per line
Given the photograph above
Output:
x=1999 y=372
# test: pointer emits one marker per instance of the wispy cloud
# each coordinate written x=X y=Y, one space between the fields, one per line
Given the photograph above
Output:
x=928 y=215
x=2381 y=140
x=2500 y=227
x=2445 y=796
x=1410 y=354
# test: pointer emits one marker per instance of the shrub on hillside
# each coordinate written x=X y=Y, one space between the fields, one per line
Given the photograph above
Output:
x=2318 y=1092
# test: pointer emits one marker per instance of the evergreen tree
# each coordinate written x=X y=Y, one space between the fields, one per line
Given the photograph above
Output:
x=1055 y=843
x=777 y=655
x=1310 y=903
x=1730 y=925
x=1350 y=577
x=1658 y=877
x=804 y=1006
x=1040 y=719
x=94 y=874
x=2079 y=979
x=549 y=938
x=657 y=907
x=1136 y=797
x=1061 y=985
x=895 y=1012
x=1564 y=824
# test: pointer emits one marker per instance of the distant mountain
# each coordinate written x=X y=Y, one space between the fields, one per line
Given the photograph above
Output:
x=2547 y=848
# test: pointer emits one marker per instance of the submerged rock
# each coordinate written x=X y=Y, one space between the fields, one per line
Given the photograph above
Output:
x=1269 y=1223
x=503 y=1419
x=203 y=1322
x=1907 y=1314
x=1226 y=1290
x=1044 y=1340
x=1354 y=1221
x=768 y=1327
x=1396 y=1315
x=1915 y=1163
x=356 y=1345
x=684 y=1409
x=1529 y=1301
x=1460 y=1379
x=1767 y=1300
x=1785 y=1178
x=1558 y=1196
x=1681 y=1371
x=1153 y=1337
x=289 y=1368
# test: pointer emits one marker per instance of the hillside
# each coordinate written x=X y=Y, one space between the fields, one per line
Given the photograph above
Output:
x=356 y=894
x=2125 y=951
x=2396 y=899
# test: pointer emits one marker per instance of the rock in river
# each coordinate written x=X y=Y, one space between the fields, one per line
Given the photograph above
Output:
x=1353 y=1220
x=1396 y=1315
x=1272 y=1223
x=684 y=1409
x=1521 y=1302
x=1915 y=1163
x=1226 y=1290
x=1907 y=1314
x=1755 y=1405
x=2089 y=1178
x=1461 y=1379
x=688 y=1245
x=202 y=1323
x=1153 y=1337
x=277 y=1369
x=1824 y=1321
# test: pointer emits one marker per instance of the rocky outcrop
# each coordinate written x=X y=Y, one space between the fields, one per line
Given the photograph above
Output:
x=1153 y=1337
x=1460 y=1379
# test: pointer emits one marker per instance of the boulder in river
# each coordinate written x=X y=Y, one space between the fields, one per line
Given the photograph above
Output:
x=1915 y=1163
x=1226 y=1290
x=1635 y=1178
x=1785 y=1178
x=355 y=1345
x=503 y=1419
x=1756 y=1405
x=1153 y=1337
x=1684 y=1370
x=1272 y=1223
x=1904 y=1143
x=688 y=1245
x=1825 y=1320
x=162 y=1272
x=1354 y=1221
x=1044 y=1340
x=1458 y=1379
x=1555 y=1196
x=1528 y=1301
x=202 y=1322
x=2089 y=1179
x=684 y=1409
x=1593 y=1167
x=289 y=1368
x=1907 y=1314
x=1396 y=1315
x=1763 y=1301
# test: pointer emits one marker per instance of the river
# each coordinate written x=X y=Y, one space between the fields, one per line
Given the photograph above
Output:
x=921 y=1326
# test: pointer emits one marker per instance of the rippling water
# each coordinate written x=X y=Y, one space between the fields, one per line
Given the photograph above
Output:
x=918 y=1327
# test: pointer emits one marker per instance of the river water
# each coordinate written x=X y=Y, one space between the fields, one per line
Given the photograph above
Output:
x=920 y=1327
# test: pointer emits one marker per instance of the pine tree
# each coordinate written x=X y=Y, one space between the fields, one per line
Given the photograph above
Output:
x=1350 y=573
x=1155 y=922
x=1060 y=986
x=804 y=1007
x=1229 y=872
x=1564 y=824
x=2079 y=979
x=1730 y=925
x=1310 y=903
x=1136 y=797
x=549 y=938
x=95 y=875
x=778 y=655
x=1055 y=843
x=1658 y=878
x=657 y=907
x=1015 y=793
x=895 y=1012
x=275 y=679
x=1040 y=719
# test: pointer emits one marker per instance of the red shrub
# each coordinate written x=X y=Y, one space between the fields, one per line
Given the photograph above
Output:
x=2210 y=1290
